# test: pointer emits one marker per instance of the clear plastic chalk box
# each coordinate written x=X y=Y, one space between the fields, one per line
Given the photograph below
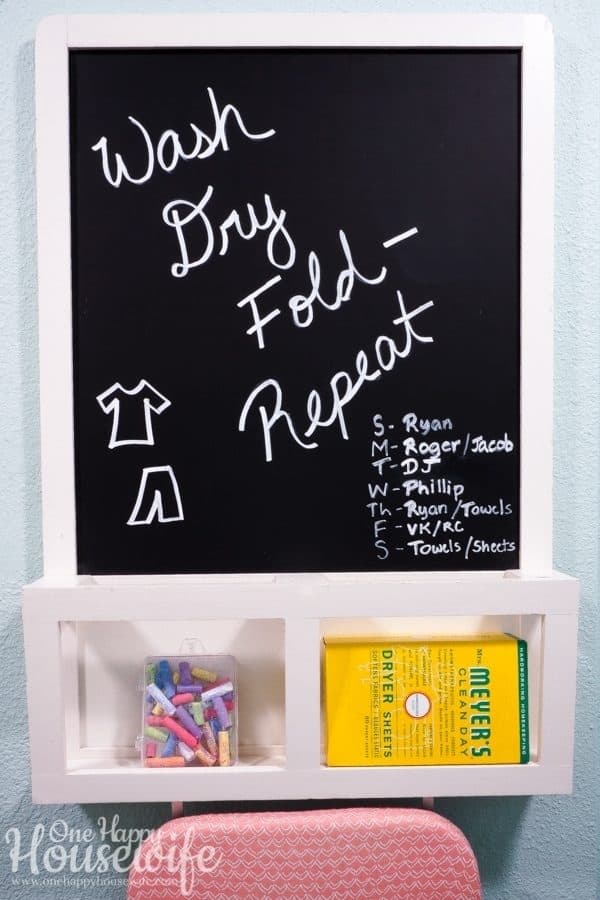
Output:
x=189 y=711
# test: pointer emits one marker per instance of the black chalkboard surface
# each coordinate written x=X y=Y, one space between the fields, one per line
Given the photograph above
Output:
x=296 y=303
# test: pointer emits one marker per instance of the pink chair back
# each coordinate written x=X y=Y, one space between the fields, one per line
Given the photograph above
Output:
x=330 y=854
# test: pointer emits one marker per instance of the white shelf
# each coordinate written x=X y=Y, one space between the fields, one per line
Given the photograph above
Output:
x=133 y=784
x=86 y=638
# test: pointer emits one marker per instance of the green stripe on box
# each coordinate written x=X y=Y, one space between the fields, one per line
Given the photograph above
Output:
x=523 y=700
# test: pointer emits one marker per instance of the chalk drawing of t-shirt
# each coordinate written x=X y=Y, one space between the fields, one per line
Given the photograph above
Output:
x=132 y=412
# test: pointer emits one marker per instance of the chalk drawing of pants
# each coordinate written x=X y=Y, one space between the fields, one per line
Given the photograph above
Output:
x=158 y=497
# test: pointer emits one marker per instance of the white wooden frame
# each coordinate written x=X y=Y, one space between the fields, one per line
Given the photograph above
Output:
x=56 y=35
x=534 y=602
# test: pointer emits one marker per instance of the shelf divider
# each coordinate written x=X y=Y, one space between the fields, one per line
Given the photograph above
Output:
x=302 y=693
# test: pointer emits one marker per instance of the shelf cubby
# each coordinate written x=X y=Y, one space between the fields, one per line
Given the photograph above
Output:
x=86 y=639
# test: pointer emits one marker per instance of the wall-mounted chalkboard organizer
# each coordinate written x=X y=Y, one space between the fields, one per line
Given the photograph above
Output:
x=295 y=279
x=300 y=334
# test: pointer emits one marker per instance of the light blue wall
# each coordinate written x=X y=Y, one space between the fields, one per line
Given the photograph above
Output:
x=543 y=849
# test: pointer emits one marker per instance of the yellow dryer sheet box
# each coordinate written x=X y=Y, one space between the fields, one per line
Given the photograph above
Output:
x=426 y=701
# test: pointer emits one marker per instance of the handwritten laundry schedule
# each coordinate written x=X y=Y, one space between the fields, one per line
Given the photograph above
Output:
x=296 y=307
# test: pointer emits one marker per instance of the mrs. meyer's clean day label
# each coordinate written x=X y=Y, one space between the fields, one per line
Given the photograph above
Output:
x=426 y=701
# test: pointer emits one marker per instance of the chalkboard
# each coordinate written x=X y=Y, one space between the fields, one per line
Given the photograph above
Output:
x=296 y=307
